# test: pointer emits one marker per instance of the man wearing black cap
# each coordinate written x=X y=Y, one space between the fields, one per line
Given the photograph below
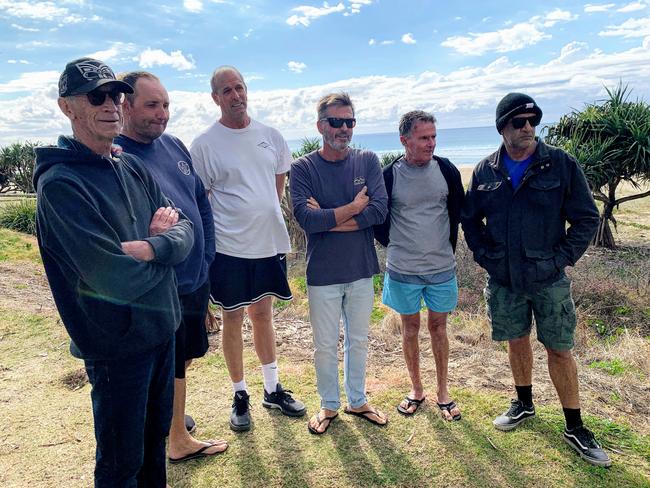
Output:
x=109 y=241
x=515 y=218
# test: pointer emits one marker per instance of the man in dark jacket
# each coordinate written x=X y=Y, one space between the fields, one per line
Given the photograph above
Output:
x=515 y=218
x=425 y=195
x=109 y=241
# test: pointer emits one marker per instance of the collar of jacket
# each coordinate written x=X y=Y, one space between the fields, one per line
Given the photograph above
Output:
x=541 y=155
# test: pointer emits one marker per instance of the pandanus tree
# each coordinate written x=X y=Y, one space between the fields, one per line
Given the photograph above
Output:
x=611 y=141
x=17 y=167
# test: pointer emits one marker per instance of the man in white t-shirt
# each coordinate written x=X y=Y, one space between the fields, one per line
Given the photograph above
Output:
x=243 y=166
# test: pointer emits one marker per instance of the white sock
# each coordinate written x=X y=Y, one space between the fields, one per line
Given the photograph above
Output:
x=240 y=385
x=270 y=373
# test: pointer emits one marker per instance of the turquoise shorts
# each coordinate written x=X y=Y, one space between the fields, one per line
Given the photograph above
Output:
x=406 y=298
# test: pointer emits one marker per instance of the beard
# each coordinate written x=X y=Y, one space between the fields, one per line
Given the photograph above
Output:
x=336 y=144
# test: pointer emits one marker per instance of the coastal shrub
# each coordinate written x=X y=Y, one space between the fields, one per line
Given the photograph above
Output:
x=611 y=141
x=17 y=167
x=19 y=216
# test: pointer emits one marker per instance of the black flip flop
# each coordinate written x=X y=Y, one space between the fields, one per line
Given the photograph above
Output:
x=364 y=415
x=410 y=402
x=329 y=418
x=449 y=407
x=197 y=454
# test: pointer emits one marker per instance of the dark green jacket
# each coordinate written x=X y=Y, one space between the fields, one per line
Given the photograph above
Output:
x=111 y=304
x=520 y=236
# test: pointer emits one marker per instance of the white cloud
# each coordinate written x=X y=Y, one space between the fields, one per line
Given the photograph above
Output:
x=600 y=7
x=632 y=7
x=512 y=38
x=408 y=38
x=296 y=66
x=307 y=13
x=157 y=57
x=193 y=6
x=24 y=29
x=629 y=28
x=18 y=61
x=44 y=11
x=355 y=6
x=590 y=8
x=28 y=82
x=372 y=42
x=558 y=15
x=387 y=43
x=462 y=98
x=115 y=51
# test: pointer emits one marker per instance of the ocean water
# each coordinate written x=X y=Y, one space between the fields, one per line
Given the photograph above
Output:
x=464 y=147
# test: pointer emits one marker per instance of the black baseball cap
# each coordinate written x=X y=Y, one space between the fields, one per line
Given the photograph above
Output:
x=83 y=75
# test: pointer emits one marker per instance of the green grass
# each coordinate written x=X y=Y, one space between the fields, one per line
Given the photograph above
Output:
x=614 y=366
x=15 y=246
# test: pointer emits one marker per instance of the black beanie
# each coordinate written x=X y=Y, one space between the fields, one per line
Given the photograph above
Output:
x=514 y=104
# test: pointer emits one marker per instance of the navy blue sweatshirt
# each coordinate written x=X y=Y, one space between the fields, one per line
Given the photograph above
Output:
x=338 y=257
x=170 y=163
x=111 y=304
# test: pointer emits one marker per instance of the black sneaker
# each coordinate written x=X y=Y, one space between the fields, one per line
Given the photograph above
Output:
x=583 y=441
x=240 y=418
x=282 y=400
x=190 y=425
x=512 y=418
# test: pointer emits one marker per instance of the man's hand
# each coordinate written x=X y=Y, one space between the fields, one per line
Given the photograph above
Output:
x=140 y=250
x=162 y=220
x=312 y=204
x=360 y=200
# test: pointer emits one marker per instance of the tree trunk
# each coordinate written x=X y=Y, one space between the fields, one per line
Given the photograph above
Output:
x=604 y=236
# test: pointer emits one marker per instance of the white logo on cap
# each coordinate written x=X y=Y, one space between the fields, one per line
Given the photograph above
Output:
x=530 y=105
x=91 y=71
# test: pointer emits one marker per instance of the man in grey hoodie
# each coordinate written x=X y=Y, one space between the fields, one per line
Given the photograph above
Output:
x=109 y=240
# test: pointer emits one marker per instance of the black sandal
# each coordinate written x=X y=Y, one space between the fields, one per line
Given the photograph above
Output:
x=449 y=407
x=410 y=402
x=320 y=421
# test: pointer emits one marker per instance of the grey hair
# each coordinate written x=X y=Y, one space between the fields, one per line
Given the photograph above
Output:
x=333 y=99
x=220 y=71
x=409 y=119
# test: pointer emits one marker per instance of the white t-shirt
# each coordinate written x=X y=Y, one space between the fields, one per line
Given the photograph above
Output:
x=238 y=168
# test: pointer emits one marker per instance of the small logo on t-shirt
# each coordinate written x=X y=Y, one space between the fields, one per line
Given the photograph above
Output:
x=264 y=145
x=184 y=167
x=359 y=180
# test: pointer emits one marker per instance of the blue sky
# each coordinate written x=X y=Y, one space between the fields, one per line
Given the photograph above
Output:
x=456 y=59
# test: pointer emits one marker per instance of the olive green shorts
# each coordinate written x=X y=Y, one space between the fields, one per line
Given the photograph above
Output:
x=511 y=314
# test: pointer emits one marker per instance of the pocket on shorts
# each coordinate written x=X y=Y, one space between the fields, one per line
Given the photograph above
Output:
x=497 y=312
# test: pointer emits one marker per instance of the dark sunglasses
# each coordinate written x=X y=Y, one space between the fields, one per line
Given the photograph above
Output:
x=336 y=123
x=520 y=122
x=98 y=97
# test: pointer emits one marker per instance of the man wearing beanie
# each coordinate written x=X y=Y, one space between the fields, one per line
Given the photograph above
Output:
x=528 y=214
x=109 y=240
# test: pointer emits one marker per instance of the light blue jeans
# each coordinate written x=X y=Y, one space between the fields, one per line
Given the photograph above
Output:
x=327 y=305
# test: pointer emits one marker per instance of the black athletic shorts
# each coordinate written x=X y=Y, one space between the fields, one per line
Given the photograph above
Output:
x=191 y=335
x=238 y=282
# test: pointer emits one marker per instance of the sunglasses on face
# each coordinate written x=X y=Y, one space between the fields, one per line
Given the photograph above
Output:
x=336 y=123
x=520 y=122
x=98 y=97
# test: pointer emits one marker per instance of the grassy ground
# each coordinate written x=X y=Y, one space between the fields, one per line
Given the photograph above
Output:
x=47 y=439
